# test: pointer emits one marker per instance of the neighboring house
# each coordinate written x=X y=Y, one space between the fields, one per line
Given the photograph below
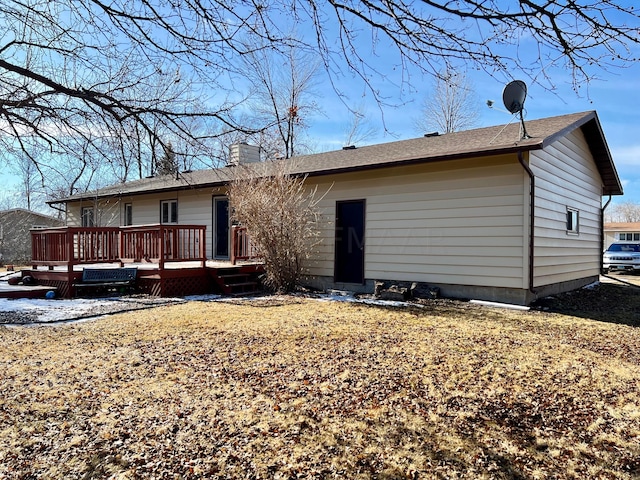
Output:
x=15 y=239
x=480 y=214
x=621 y=232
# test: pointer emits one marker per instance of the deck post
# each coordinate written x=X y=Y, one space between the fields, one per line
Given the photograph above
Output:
x=70 y=260
x=233 y=244
x=203 y=246
x=120 y=247
x=161 y=248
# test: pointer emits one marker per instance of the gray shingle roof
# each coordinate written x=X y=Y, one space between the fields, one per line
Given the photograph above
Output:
x=470 y=143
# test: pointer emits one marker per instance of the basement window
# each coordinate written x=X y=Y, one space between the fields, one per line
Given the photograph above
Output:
x=573 y=218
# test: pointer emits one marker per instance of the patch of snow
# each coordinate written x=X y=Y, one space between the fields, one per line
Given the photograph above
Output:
x=500 y=305
x=339 y=293
x=41 y=311
x=203 y=298
x=341 y=296
x=25 y=304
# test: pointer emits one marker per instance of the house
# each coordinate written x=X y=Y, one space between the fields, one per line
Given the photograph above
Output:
x=621 y=232
x=484 y=213
x=15 y=240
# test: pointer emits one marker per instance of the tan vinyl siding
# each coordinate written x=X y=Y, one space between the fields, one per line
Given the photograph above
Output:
x=456 y=222
x=194 y=208
x=106 y=213
x=146 y=208
x=566 y=177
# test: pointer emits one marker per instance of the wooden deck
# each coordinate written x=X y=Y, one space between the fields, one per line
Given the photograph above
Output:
x=22 y=291
x=172 y=281
x=170 y=259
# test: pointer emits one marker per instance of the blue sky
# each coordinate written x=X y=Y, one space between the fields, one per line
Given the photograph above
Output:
x=615 y=96
x=614 y=92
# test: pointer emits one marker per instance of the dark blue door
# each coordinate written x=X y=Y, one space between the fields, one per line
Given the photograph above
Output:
x=349 y=262
x=221 y=227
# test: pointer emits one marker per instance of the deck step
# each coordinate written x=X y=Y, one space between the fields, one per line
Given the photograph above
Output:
x=241 y=284
x=238 y=281
x=234 y=275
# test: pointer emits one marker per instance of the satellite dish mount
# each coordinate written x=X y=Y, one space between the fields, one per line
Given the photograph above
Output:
x=513 y=96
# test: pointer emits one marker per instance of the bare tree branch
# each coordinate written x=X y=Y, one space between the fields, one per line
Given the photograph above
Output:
x=108 y=75
x=450 y=105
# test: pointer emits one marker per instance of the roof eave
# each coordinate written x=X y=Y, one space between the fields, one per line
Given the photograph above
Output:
x=592 y=129
x=417 y=160
x=92 y=196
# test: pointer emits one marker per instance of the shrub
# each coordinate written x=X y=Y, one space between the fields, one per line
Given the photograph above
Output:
x=281 y=217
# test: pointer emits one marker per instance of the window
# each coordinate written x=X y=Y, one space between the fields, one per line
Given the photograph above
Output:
x=629 y=237
x=86 y=217
x=624 y=247
x=572 y=221
x=169 y=211
x=128 y=214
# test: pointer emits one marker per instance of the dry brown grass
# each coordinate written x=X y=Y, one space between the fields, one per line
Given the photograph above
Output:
x=293 y=388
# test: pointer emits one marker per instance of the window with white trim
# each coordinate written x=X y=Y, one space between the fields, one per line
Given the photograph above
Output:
x=87 y=218
x=169 y=211
x=573 y=219
x=128 y=214
x=629 y=237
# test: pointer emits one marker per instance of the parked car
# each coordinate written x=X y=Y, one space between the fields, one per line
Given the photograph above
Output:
x=621 y=256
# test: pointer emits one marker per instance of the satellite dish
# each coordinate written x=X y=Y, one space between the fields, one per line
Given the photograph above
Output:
x=514 y=95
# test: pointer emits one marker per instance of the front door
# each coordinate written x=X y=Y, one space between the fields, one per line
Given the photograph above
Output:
x=221 y=228
x=349 y=262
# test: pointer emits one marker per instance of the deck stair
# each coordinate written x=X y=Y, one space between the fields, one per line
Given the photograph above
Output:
x=238 y=282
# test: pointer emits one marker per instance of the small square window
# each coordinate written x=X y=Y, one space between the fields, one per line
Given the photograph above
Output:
x=572 y=221
x=636 y=237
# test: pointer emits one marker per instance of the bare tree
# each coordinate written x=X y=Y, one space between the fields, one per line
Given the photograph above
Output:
x=281 y=217
x=87 y=72
x=9 y=199
x=359 y=128
x=282 y=97
x=626 y=212
x=450 y=106
x=138 y=70
x=31 y=190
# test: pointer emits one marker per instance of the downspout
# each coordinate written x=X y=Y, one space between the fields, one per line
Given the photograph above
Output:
x=532 y=196
x=602 y=231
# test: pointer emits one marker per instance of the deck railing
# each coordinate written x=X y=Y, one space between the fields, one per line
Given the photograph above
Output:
x=151 y=243
x=163 y=243
x=241 y=246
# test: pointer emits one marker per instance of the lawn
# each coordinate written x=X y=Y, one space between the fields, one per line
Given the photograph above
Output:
x=288 y=387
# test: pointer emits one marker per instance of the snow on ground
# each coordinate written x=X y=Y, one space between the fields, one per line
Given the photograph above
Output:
x=56 y=309
x=41 y=311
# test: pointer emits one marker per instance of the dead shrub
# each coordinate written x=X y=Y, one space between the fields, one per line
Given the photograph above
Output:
x=281 y=216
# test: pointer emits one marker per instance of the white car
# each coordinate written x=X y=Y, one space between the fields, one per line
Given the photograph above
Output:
x=621 y=256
